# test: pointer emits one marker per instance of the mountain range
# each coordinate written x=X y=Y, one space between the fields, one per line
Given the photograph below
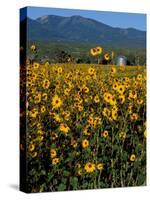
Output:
x=84 y=30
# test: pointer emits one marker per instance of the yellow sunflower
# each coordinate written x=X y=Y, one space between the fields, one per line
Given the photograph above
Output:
x=53 y=153
x=99 y=50
x=36 y=65
x=96 y=99
x=105 y=134
x=113 y=70
x=33 y=48
x=106 y=56
x=31 y=147
x=89 y=167
x=85 y=143
x=100 y=166
x=106 y=112
x=93 y=52
x=91 y=71
x=80 y=171
x=55 y=161
x=34 y=154
x=121 y=98
x=46 y=83
x=64 y=128
x=114 y=115
x=43 y=109
x=139 y=101
x=122 y=135
x=56 y=102
x=132 y=158
x=33 y=113
x=134 y=116
x=59 y=70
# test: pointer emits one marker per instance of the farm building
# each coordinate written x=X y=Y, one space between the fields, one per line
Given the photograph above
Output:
x=121 y=60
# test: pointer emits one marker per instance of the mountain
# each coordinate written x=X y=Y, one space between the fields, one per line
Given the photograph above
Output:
x=81 y=29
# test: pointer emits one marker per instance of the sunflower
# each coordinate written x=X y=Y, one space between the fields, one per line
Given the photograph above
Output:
x=55 y=161
x=122 y=135
x=86 y=89
x=64 y=128
x=57 y=117
x=107 y=97
x=100 y=166
x=97 y=120
x=34 y=154
x=36 y=65
x=33 y=48
x=132 y=94
x=53 y=153
x=99 y=50
x=115 y=86
x=59 y=70
x=93 y=52
x=66 y=115
x=44 y=96
x=56 y=102
x=86 y=130
x=67 y=91
x=46 y=83
x=47 y=64
x=40 y=132
x=114 y=115
x=80 y=108
x=91 y=120
x=96 y=99
x=113 y=70
x=91 y=71
x=121 y=99
x=43 y=109
x=85 y=143
x=139 y=101
x=37 y=97
x=31 y=147
x=106 y=112
x=78 y=165
x=115 y=108
x=80 y=171
x=106 y=56
x=139 y=77
x=33 y=113
x=112 y=101
x=130 y=109
x=120 y=89
x=89 y=167
x=105 y=134
x=132 y=158
x=134 y=116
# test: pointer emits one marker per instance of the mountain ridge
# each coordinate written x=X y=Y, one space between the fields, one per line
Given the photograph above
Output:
x=80 y=29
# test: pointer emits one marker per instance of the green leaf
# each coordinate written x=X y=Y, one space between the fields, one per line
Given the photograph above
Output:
x=74 y=182
x=50 y=176
x=66 y=173
x=142 y=180
x=61 y=187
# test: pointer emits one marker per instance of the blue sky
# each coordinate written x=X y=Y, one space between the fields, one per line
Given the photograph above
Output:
x=115 y=19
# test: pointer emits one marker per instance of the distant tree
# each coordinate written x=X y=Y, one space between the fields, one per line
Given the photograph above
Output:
x=61 y=56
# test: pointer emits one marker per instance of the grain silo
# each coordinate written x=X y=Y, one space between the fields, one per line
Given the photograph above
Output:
x=121 y=61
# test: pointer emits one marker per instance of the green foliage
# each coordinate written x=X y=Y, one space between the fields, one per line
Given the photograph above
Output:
x=64 y=52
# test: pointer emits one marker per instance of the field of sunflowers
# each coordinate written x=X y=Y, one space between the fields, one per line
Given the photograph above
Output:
x=86 y=126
